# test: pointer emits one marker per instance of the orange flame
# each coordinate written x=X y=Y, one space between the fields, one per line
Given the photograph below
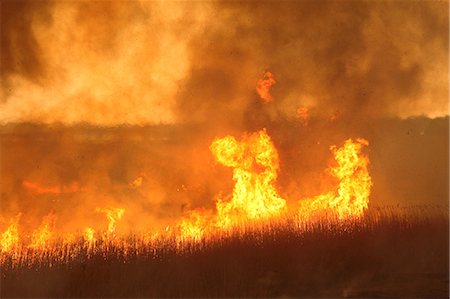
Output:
x=263 y=87
x=10 y=238
x=351 y=198
x=89 y=236
x=195 y=225
x=55 y=190
x=303 y=115
x=255 y=165
x=43 y=235
x=113 y=216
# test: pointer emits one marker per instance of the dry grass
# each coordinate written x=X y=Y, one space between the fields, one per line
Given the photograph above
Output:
x=392 y=252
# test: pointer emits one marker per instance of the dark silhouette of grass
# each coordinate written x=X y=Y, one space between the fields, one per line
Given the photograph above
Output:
x=390 y=253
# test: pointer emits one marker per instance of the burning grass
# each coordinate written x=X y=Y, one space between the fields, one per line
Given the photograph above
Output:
x=391 y=251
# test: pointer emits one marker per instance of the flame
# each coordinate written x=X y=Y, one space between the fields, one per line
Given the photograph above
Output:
x=351 y=198
x=195 y=225
x=10 y=238
x=303 y=115
x=263 y=87
x=55 y=190
x=113 y=216
x=255 y=165
x=68 y=238
x=89 y=236
x=43 y=235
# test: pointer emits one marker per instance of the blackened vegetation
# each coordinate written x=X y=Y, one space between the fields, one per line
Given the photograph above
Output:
x=391 y=256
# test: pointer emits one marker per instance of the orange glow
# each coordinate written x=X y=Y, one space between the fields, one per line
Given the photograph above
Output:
x=351 y=197
x=335 y=115
x=89 y=236
x=55 y=190
x=303 y=115
x=264 y=85
x=113 y=216
x=136 y=183
x=255 y=165
x=195 y=225
x=44 y=234
x=254 y=199
x=10 y=238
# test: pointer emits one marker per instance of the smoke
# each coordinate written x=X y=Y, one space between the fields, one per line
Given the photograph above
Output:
x=116 y=103
x=103 y=63
x=158 y=173
x=110 y=63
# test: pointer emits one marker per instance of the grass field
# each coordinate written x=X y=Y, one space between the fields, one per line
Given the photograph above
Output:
x=391 y=252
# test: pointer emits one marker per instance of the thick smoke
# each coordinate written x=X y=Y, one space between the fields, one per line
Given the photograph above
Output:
x=110 y=63
x=104 y=63
x=115 y=104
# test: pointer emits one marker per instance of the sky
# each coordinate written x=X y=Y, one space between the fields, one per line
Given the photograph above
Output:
x=111 y=63
x=115 y=103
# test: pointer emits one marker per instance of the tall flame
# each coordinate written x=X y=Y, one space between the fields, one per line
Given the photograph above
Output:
x=10 y=238
x=255 y=165
x=351 y=198
x=89 y=236
x=43 y=235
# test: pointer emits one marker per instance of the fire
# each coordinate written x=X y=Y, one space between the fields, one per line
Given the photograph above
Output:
x=195 y=225
x=89 y=236
x=255 y=165
x=351 y=198
x=10 y=238
x=43 y=235
x=303 y=115
x=113 y=216
x=263 y=87
x=55 y=190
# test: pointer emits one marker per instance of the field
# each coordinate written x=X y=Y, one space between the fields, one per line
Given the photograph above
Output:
x=391 y=252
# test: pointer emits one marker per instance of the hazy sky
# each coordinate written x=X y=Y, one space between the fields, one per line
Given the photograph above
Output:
x=357 y=68
x=150 y=62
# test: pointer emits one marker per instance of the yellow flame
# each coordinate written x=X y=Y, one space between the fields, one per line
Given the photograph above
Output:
x=89 y=233
x=10 y=238
x=113 y=216
x=43 y=235
x=255 y=165
x=195 y=225
x=351 y=198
